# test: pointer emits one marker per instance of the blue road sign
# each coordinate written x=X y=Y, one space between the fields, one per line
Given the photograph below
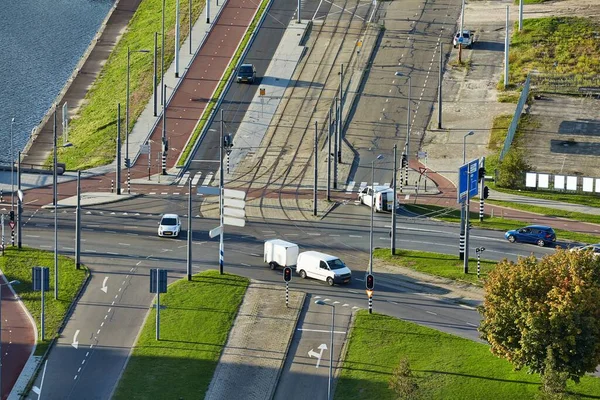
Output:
x=460 y=39
x=473 y=168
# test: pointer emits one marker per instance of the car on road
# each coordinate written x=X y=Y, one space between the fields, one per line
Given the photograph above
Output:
x=383 y=195
x=538 y=234
x=246 y=73
x=325 y=267
x=595 y=248
x=467 y=39
x=169 y=226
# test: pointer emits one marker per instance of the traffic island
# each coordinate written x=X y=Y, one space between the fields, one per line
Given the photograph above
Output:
x=457 y=368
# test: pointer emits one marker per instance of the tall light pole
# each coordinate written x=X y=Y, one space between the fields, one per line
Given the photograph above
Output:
x=379 y=157
x=470 y=133
x=127 y=163
x=12 y=168
x=55 y=201
x=162 y=56
x=176 y=38
x=322 y=303
x=407 y=142
x=14 y=282
x=393 y=232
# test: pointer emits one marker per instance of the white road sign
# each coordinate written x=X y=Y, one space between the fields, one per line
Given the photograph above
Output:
x=234 y=194
x=234 y=221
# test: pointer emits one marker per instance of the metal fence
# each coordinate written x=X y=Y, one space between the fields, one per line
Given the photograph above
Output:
x=562 y=83
x=512 y=129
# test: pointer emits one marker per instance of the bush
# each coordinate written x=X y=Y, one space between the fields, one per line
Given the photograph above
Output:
x=512 y=168
x=403 y=382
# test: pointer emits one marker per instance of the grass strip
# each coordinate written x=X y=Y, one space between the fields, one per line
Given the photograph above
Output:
x=442 y=265
x=222 y=83
x=503 y=224
x=93 y=130
x=16 y=265
x=444 y=366
x=195 y=324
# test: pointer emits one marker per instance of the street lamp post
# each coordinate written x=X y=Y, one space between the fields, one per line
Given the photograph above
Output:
x=407 y=142
x=14 y=282
x=12 y=167
x=322 y=303
x=379 y=157
x=470 y=133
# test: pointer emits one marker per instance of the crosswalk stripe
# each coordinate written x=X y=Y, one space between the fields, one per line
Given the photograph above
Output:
x=350 y=187
x=207 y=180
x=196 y=178
x=184 y=179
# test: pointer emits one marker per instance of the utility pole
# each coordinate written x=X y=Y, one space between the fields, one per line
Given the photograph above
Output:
x=164 y=133
x=189 y=238
x=329 y=156
x=520 y=15
x=221 y=190
x=468 y=203
x=299 y=19
x=19 y=204
x=408 y=130
x=118 y=148
x=190 y=21
x=341 y=112
x=78 y=224
x=506 y=49
x=155 y=77
x=316 y=174
x=177 y=38
x=460 y=33
x=55 y=202
x=441 y=73
x=162 y=56
x=208 y=11
x=481 y=189
x=393 y=235
x=335 y=144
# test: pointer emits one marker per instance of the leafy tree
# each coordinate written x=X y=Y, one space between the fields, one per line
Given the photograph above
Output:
x=403 y=382
x=544 y=315
x=512 y=168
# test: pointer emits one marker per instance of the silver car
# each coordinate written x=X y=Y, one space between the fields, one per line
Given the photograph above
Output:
x=467 y=39
x=169 y=226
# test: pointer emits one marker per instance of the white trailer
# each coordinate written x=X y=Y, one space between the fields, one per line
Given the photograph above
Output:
x=279 y=253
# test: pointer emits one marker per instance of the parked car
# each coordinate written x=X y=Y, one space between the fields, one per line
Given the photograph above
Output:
x=595 y=248
x=246 y=73
x=324 y=267
x=279 y=253
x=383 y=195
x=467 y=39
x=538 y=234
x=169 y=225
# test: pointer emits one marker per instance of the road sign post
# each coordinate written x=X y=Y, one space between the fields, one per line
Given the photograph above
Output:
x=2 y=223
x=158 y=285
x=479 y=250
x=41 y=283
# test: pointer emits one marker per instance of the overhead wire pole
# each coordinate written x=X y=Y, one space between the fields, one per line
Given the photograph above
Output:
x=329 y=156
x=316 y=174
x=407 y=145
x=78 y=224
x=118 y=172
x=393 y=229
x=54 y=201
x=176 y=38
x=440 y=77
x=155 y=77
x=190 y=21
x=19 y=204
x=460 y=32
x=221 y=189
x=189 y=238
x=335 y=144
x=162 y=56
x=164 y=134
x=506 y=48
x=341 y=112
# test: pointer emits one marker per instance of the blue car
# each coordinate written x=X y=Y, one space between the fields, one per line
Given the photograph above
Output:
x=538 y=234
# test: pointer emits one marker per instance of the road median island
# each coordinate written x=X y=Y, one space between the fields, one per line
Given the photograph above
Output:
x=16 y=265
x=457 y=368
x=212 y=103
x=195 y=324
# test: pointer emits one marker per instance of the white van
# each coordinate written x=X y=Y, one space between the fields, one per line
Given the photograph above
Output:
x=384 y=198
x=322 y=266
x=279 y=253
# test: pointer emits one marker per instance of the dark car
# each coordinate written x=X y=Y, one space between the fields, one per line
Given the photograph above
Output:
x=246 y=73
x=538 y=234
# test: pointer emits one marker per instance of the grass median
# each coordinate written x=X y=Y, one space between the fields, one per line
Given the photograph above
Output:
x=93 y=130
x=444 y=366
x=221 y=86
x=16 y=265
x=195 y=324
x=437 y=264
x=503 y=224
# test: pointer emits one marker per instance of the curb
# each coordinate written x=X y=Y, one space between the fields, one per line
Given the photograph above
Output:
x=343 y=354
x=58 y=332
x=109 y=201
x=289 y=343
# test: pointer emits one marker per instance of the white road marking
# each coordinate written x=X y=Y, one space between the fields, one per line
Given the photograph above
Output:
x=207 y=180
x=470 y=324
x=196 y=178
x=321 y=330
x=245 y=265
x=430 y=312
x=183 y=179
x=124 y=244
x=467 y=307
x=355 y=236
x=393 y=302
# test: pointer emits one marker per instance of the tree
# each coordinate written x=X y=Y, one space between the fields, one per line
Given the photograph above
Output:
x=403 y=382
x=512 y=168
x=544 y=315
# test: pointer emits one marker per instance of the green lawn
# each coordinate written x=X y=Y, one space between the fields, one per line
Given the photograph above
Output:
x=568 y=41
x=444 y=265
x=93 y=131
x=16 y=265
x=497 y=222
x=445 y=366
x=194 y=328
x=213 y=102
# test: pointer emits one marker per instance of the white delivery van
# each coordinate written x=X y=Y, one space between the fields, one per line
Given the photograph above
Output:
x=322 y=266
x=384 y=198
x=279 y=253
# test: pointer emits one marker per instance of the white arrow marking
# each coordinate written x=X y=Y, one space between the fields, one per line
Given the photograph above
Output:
x=104 y=288
x=75 y=342
x=313 y=353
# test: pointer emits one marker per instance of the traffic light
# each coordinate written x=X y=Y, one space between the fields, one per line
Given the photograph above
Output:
x=127 y=163
x=404 y=160
x=481 y=174
x=287 y=274
x=486 y=192
x=12 y=216
x=227 y=142
x=370 y=282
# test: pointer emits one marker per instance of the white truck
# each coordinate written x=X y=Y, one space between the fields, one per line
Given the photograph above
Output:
x=279 y=253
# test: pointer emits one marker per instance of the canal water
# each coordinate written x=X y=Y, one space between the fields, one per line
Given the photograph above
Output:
x=41 y=42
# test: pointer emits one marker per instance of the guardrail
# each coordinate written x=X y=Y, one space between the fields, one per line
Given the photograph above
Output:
x=512 y=129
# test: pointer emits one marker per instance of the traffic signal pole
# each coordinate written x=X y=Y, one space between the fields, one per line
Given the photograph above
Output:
x=482 y=189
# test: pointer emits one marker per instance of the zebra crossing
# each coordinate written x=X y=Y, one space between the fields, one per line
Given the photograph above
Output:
x=351 y=184
x=183 y=180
